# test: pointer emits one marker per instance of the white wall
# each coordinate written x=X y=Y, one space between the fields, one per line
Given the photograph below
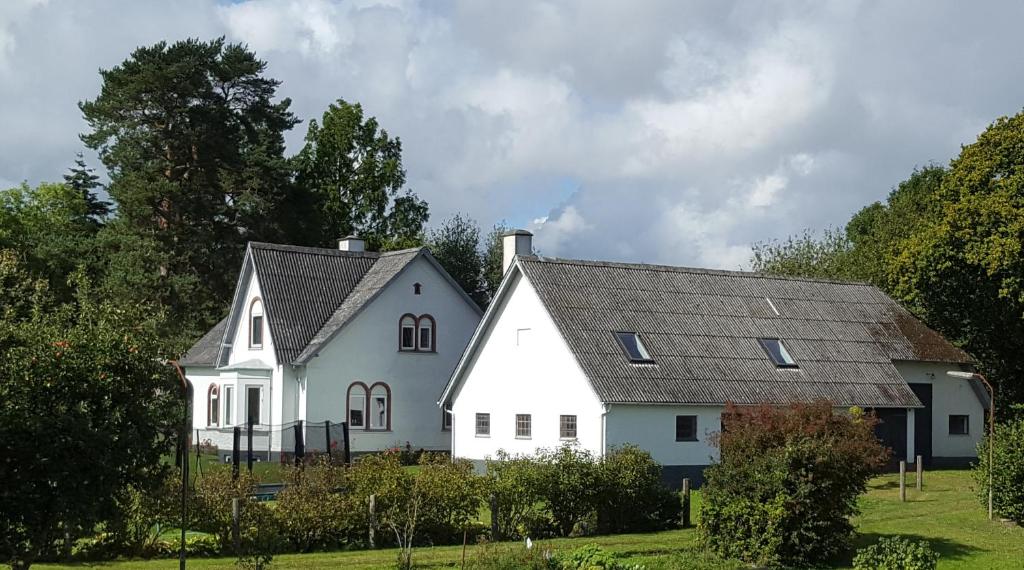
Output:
x=949 y=396
x=240 y=350
x=653 y=427
x=366 y=350
x=523 y=366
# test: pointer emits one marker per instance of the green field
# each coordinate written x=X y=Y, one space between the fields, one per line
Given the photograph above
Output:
x=945 y=513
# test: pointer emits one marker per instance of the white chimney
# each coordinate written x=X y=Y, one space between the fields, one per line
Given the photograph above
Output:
x=352 y=243
x=513 y=243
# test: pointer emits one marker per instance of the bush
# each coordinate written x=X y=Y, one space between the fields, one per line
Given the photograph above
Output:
x=516 y=483
x=787 y=483
x=452 y=499
x=1008 y=474
x=314 y=512
x=141 y=517
x=210 y=508
x=568 y=486
x=493 y=556
x=896 y=553
x=631 y=496
x=593 y=557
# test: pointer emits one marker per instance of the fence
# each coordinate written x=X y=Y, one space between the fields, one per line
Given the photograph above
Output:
x=292 y=442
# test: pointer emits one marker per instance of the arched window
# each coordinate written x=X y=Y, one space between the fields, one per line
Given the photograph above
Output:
x=213 y=405
x=380 y=407
x=425 y=339
x=256 y=324
x=407 y=333
x=356 y=411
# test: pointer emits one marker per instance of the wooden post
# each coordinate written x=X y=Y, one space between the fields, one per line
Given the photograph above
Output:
x=236 y=516
x=903 y=481
x=920 y=471
x=248 y=451
x=344 y=436
x=327 y=438
x=465 y=536
x=686 y=502
x=373 y=518
x=495 y=531
x=300 y=444
x=236 y=452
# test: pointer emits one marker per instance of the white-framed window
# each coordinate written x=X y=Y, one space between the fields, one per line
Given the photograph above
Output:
x=253 y=404
x=524 y=426
x=634 y=347
x=567 y=426
x=407 y=333
x=213 y=405
x=357 y=406
x=229 y=405
x=425 y=339
x=483 y=425
x=256 y=324
x=380 y=407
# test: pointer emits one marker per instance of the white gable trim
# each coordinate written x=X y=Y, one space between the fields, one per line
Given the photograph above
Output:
x=239 y=307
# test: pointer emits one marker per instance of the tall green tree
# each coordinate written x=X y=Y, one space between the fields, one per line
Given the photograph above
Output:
x=88 y=409
x=353 y=168
x=493 y=258
x=193 y=141
x=807 y=255
x=456 y=245
x=84 y=181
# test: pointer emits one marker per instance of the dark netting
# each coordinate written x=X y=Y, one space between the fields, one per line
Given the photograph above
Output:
x=292 y=442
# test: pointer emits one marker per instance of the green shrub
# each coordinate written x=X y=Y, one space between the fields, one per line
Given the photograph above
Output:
x=314 y=512
x=1008 y=474
x=787 y=483
x=452 y=499
x=593 y=557
x=516 y=483
x=210 y=508
x=896 y=553
x=631 y=496
x=569 y=487
x=498 y=556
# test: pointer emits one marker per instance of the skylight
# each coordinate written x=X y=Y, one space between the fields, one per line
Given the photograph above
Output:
x=633 y=347
x=777 y=352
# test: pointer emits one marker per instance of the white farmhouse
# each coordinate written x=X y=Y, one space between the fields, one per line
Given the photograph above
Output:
x=604 y=354
x=331 y=335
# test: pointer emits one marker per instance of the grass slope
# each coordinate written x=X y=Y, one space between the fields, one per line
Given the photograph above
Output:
x=945 y=513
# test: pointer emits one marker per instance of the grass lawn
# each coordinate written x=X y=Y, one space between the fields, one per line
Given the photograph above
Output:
x=945 y=513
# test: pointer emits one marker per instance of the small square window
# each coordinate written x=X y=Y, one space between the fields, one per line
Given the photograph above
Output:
x=777 y=352
x=483 y=424
x=959 y=425
x=686 y=428
x=634 y=347
x=524 y=426
x=567 y=427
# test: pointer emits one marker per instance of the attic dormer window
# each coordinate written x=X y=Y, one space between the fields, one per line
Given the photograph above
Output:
x=777 y=352
x=634 y=347
x=256 y=324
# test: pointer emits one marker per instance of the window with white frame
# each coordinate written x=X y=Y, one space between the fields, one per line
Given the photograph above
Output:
x=229 y=405
x=483 y=425
x=213 y=405
x=380 y=410
x=426 y=337
x=253 y=403
x=524 y=426
x=567 y=427
x=407 y=333
x=256 y=324
x=357 y=406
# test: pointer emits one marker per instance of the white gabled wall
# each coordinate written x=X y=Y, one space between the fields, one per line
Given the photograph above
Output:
x=240 y=349
x=522 y=366
x=367 y=351
x=949 y=396
x=653 y=427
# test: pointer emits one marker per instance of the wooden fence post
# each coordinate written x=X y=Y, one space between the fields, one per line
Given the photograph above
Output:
x=920 y=472
x=236 y=452
x=686 y=502
x=903 y=481
x=373 y=518
x=248 y=445
x=327 y=438
x=236 y=516
x=495 y=531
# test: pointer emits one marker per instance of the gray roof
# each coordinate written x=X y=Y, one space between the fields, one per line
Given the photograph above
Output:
x=701 y=328
x=205 y=351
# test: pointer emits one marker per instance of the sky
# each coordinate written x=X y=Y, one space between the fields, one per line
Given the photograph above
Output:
x=663 y=132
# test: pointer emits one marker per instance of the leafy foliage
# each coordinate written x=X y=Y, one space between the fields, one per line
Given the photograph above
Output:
x=73 y=433
x=354 y=170
x=787 y=483
x=896 y=553
x=210 y=508
x=632 y=497
x=456 y=245
x=569 y=486
x=516 y=484
x=1007 y=470
x=315 y=513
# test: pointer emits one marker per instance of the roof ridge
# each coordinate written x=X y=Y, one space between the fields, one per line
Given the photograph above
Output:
x=403 y=251
x=310 y=250
x=685 y=269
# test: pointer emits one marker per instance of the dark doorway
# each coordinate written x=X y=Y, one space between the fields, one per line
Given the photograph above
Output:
x=892 y=431
x=923 y=423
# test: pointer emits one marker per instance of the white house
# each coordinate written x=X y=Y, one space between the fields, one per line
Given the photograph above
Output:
x=605 y=354
x=331 y=335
